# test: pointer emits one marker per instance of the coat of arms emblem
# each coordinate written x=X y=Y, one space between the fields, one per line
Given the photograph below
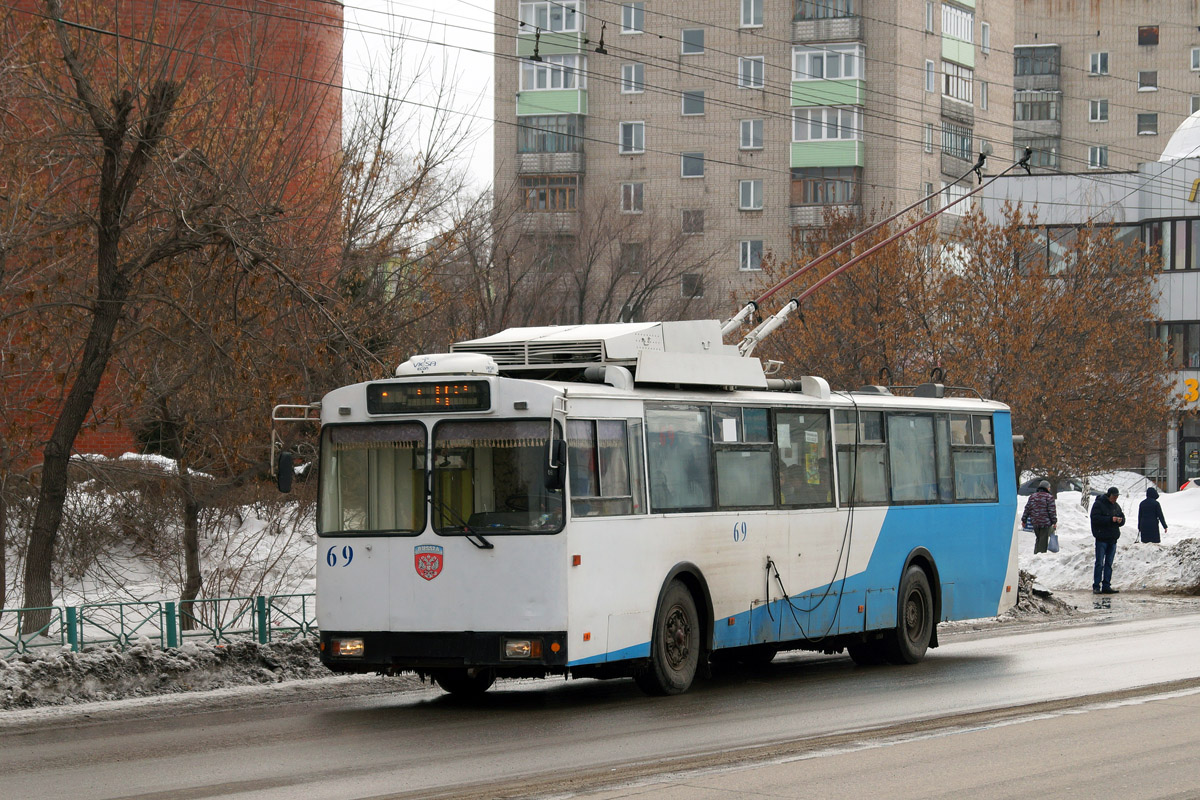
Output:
x=428 y=558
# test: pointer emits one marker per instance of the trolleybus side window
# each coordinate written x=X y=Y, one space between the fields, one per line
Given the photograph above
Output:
x=679 y=456
x=489 y=476
x=861 y=430
x=913 y=457
x=742 y=450
x=373 y=478
x=974 y=451
x=604 y=461
x=945 y=466
x=805 y=474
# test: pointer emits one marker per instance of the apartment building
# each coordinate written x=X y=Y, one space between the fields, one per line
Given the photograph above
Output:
x=1102 y=84
x=740 y=122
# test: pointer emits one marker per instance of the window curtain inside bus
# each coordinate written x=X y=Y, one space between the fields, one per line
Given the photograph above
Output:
x=605 y=467
x=913 y=458
x=373 y=478
x=679 y=453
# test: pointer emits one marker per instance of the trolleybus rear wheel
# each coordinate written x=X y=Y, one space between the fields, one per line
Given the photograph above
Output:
x=674 y=646
x=472 y=681
x=914 y=625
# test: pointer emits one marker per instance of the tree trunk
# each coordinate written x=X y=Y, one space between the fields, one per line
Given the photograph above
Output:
x=191 y=558
x=3 y=544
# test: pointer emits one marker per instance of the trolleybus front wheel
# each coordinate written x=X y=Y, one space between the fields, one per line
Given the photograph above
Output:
x=914 y=625
x=674 y=646
x=468 y=682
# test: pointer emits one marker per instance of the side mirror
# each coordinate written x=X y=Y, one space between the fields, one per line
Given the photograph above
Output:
x=286 y=471
x=556 y=465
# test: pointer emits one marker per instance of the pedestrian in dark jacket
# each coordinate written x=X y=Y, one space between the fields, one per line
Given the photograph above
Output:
x=1107 y=519
x=1041 y=514
x=1149 y=515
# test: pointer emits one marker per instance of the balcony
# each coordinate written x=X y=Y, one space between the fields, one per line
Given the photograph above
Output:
x=814 y=216
x=958 y=111
x=954 y=166
x=547 y=222
x=545 y=163
x=1037 y=129
x=835 y=29
x=1035 y=83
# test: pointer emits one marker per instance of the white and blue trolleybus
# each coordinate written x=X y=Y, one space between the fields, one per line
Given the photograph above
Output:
x=640 y=499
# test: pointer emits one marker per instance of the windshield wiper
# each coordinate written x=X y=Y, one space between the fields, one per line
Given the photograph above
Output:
x=469 y=533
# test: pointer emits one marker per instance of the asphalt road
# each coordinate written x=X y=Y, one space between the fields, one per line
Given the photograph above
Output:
x=584 y=737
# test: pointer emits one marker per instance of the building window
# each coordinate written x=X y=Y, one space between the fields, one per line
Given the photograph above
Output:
x=553 y=72
x=1035 y=60
x=631 y=257
x=1148 y=80
x=750 y=72
x=1098 y=111
x=633 y=137
x=633 y=78
x=929 y=198
x=1147 y=34
x=983 y=95
x=956 y=81
x=631 y=197
x=633 y=17
x=957 y=141
x=1177 y=242
x=693 y=221
x=825 y=9
x=751 y=255
x=1099 y=63
x=751 y=134
x=691 y=165
x=1195 y=103
x=692 y=41
x=825 y=186
x=549 y=192
x=928 y=143
x=958 y=23
x=929 y=15
x=1097 y=157
x=827 y=63
x=930 y=76
x=985 y=38
x=752 y=13
x=556 y=133
x=826 y=123
x=1147 y=124
x=691 y=285
x=1181 y=341
x=693 y=103
x=1195 y=58
x=1045 y=151
x=1032 y=106
x=750 y=195
x=952 y=192
x=559 y=15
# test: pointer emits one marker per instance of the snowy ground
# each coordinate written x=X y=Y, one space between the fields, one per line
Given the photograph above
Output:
x=1172 y=566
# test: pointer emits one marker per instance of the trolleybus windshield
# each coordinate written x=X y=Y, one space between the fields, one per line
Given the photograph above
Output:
x=489 y=476
x=372 y=478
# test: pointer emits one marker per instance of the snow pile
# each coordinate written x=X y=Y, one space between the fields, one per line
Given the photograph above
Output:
x=57 y=677
x=1172 y=566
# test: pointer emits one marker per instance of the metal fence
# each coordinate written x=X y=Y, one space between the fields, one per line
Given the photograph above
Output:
x=165 y=624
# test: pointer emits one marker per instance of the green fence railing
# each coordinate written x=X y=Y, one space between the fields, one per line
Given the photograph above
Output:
x=166 y=624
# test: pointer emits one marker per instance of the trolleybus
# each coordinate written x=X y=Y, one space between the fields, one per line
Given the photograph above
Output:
x=640 y=500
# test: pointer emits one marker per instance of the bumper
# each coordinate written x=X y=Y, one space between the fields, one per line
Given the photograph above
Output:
x=390 y=650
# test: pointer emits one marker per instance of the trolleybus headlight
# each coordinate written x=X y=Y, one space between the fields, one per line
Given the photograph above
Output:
x=348 y=648
x=522 y=648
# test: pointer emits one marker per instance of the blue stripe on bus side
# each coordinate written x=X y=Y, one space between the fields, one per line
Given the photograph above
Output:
x=972 y=568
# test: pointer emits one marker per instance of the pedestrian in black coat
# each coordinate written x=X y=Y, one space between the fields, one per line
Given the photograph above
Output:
x=1107 y=519
x=1149 y=515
